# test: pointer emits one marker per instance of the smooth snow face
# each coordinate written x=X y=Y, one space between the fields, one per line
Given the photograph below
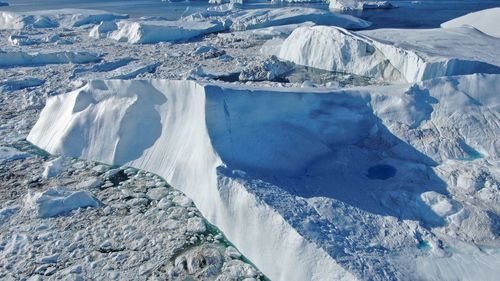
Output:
x=394 y=54
x=277 y=169
x=55 y=18
x=486 y=21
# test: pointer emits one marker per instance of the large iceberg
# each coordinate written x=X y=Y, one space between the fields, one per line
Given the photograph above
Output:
x=303 y=180
x=486 y=21
x=394 y=54
x=55 y=18
x=145 y=31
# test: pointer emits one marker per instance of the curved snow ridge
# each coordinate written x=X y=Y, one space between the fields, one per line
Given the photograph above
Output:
x=55 y=18
x=394 y=54
x=203 y=138
x=485 y=21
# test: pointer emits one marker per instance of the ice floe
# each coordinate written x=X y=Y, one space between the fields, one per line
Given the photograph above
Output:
x=59 y=201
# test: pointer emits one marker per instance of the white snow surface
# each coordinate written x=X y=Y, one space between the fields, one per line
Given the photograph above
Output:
x=394 y=54
x=273 y=168
x=486 y=21
x=55 y=18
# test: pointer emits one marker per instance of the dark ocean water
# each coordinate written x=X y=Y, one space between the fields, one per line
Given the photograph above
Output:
x=425 y=13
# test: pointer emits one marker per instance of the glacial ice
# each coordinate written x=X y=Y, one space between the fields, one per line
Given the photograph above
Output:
x=486 y=21
x=258 y=161
x=346 y=5
x=55 y=18
x=394 y=54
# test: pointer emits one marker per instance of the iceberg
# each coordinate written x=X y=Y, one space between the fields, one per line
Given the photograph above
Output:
x=485 y=21
x=394 y=54
x=150 y=32
x=305 y=177
x=260 y=18
x=55 y=18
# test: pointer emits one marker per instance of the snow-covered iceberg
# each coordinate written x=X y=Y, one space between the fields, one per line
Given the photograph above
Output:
x=148 y=32
x=394 y=54
x=260 y=18
x=59 y=201
x=55 y=18
x=307 y=183
x=486 y=21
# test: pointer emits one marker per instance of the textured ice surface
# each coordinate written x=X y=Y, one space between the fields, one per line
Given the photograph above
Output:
x=21 y=58
x=59 y=201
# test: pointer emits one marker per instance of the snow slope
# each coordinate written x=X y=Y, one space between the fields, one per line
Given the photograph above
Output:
x=55 y=18
x=394 y=54
x=486 y=21
x=317 y=181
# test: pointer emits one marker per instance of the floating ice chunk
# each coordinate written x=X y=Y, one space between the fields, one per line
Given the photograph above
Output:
x=59 y=201
x=18 y=84
x=486 y=21
x=394 y=54
x=21 y=40
x=55 y=18
x=10 y=153
x=150 y=32
x=267 y=70
x=103 y=29
x=53 y=167
x=7 y=212
x=21 y=58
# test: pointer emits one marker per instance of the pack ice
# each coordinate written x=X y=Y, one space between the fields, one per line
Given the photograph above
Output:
x=55 y=18
x=394 y=54
x=302 y=180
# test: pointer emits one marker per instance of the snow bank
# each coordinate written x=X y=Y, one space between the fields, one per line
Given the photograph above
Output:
x=59 y=201
x=21 y=58
x=393 y=54
x=220 y=145
x=150 y=32
x=55 y=18
x=486 y=21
